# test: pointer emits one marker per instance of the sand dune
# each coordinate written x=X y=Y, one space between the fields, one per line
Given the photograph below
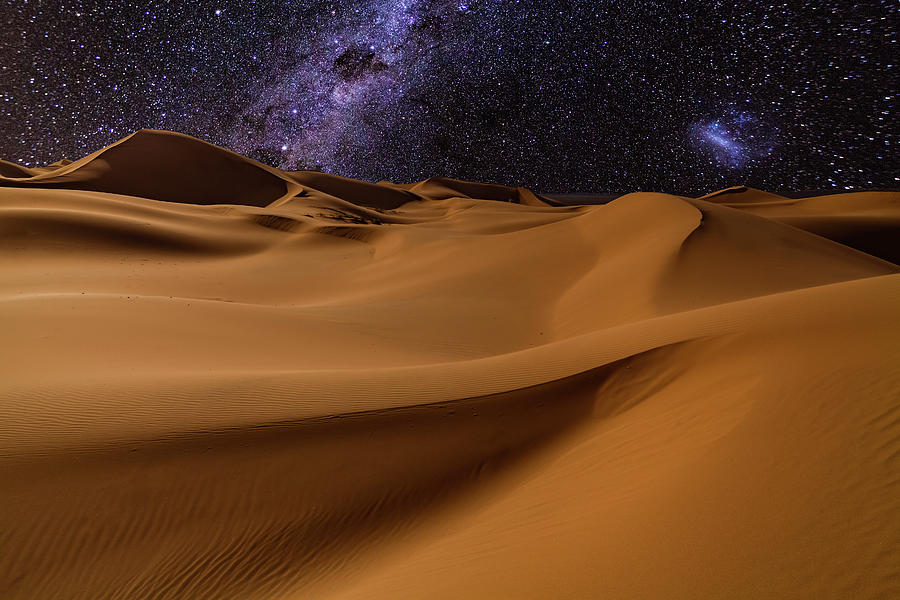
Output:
x=12 y=170
x=161 y=165
x=222 y=380
x=867 y=221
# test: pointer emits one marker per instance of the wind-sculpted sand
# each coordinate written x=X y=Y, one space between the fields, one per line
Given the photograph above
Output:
x=222 y=380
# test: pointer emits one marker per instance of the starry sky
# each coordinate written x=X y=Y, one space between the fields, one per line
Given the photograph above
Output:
x=681 y=96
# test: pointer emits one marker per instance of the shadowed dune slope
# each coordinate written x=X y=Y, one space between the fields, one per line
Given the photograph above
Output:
x=294 y=385
x=14 y=171
x=438 y=188
x=867 y=221
x=162 y=165
x=351 y=190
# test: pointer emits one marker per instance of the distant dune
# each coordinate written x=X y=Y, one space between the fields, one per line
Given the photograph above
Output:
x=223 y=380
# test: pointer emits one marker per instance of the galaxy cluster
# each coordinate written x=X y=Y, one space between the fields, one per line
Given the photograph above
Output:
x=682 y=96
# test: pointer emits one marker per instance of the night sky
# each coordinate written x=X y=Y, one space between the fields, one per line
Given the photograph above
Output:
x=578 y=95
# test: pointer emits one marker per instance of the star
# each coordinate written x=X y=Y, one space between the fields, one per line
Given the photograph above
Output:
x=574 y=95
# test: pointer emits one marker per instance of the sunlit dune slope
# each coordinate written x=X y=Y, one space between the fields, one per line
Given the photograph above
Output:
x=281 y=384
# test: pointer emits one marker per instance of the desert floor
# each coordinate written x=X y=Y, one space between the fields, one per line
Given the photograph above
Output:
x=222 y=380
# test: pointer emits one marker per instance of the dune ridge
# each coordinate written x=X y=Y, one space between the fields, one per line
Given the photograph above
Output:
x=223 y=380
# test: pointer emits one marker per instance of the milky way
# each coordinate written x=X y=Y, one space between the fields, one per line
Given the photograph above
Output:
x=683 y=96
x=339 y=90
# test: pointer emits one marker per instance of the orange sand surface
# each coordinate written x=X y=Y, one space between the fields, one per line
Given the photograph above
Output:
x=223 y=380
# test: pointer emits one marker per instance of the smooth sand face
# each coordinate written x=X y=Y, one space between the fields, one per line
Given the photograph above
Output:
x=221 y=380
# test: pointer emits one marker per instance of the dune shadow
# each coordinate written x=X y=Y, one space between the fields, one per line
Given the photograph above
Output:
x=259 y=510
